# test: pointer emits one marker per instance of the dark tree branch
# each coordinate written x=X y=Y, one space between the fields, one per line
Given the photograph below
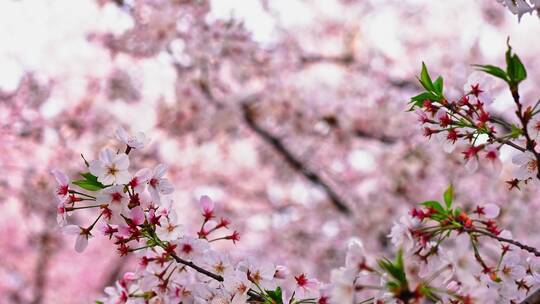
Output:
x=42 y=264
x=382 y=138
x=533 y=298
x=254 y=297
x=294 y=162
x=281 y=149
x=345 y=59
x=115 y=273
x=197 y=268
x=505 y=240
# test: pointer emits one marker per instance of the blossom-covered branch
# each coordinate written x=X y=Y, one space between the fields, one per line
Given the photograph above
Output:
x=467 y=120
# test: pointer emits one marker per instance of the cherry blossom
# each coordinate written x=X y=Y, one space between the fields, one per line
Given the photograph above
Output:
x=528 y=165
x=282 y=116
x=111 y=168
x=81 y=242
x=158 y=185
x=479 y=87
x=138 y=141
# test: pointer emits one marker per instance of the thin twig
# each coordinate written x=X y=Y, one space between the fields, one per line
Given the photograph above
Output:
x=509 y=241
x=197 y=268
x=254 y=296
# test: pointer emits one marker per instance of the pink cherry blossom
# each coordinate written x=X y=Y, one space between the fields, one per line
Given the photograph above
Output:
x=138 y=141
x=111 y=168
x=157 y=185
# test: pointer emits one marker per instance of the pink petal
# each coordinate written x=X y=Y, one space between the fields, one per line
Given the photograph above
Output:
x=81 y=243
x=121 y=135
x=207 y=203
x=60 y=177
x=71 y=230
x=137 y=215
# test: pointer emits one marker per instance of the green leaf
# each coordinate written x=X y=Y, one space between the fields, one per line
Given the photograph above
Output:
x=395 y=269
x=448 y=196
x=89 y=176
x=457 y=212
x=514 y=67
x=515 y=131
x=275 y=295
x=99 y=302
x=425 y=79
x=438 y=85
x=518 y=69
x=492 y=70
x=90 y=182
x=419 y=99
x=88 y=185
x=435 y=205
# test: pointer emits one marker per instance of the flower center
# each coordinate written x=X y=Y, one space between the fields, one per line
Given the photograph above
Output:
x=532 y=165
x=112 y=170
x=187 y=248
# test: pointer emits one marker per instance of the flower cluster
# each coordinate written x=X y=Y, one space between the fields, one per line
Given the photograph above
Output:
x=137 y=213
x=466 y=120
x=503 y=275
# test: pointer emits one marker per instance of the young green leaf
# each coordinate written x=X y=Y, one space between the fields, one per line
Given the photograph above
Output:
x=89 y=176
x=435 y=205
x=514 y=67
x=419 y=99
x=88 y=185
x=515 y=131
x=492 y=70
x=438 y=85
x=90 y=182
x=275 y=295
x=449 y=196
x=425 y=79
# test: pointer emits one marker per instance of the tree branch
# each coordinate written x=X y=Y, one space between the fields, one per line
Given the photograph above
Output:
x=294 y=162
x=115 y=273
x=253 y=295
x=534 y=298
x=509 y=241
x=42 y=264
x=197 y=268
x=382 y=138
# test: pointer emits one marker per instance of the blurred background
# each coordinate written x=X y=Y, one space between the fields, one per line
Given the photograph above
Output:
x=290 y=114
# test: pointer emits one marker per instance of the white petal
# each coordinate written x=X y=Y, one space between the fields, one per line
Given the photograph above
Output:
x=81 y=243
x=471 y=165
x=71 y=230
x=106 y=179
x=122 y=161
x=144 y=174
x=154 y=194
x=122 y=177
x=106 y=156
x=160 y=170
x=521 y=159
x=523 y=173
x=165 y=187
x=96 y=168
x=60 y=177
x=491 y=211
x=121 y=135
